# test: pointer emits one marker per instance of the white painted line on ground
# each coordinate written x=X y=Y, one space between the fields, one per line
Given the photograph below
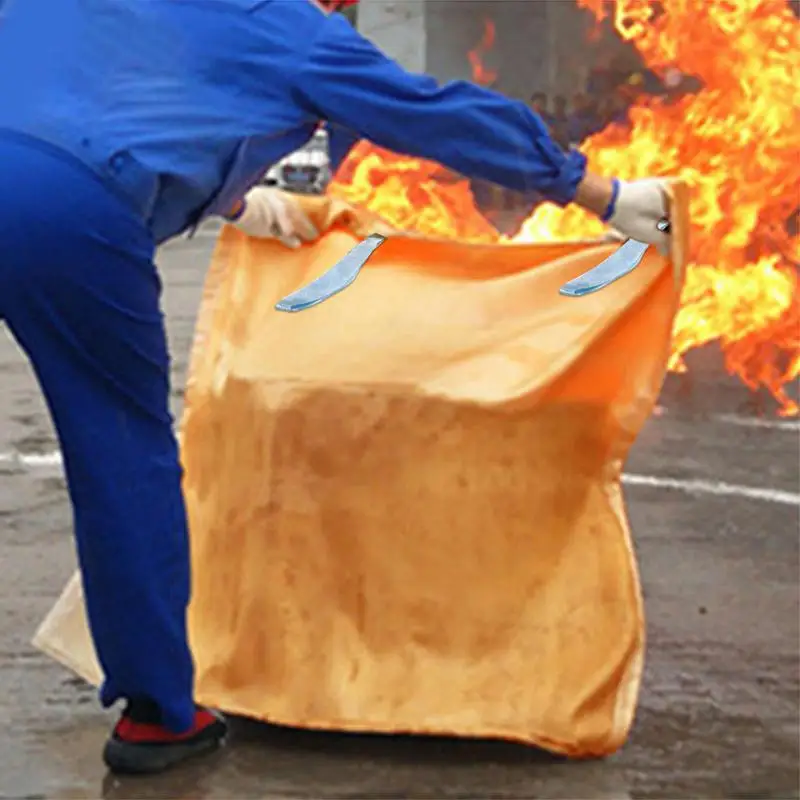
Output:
x=717 y=488
x=687 y=485
x=743 y=421
x=792 y=425
x=32 y=459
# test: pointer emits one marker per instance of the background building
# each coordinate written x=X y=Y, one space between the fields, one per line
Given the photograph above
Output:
x=539 y=45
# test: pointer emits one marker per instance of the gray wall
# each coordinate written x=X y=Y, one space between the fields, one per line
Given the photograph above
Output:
x=540 y=44
x=398 y=27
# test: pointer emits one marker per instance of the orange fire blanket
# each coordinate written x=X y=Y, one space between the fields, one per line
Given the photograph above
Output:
x=405 y=503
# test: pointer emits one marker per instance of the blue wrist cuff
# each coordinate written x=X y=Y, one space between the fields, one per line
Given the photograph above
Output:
x=561 y=188
x=612 y=203
x=239 y=212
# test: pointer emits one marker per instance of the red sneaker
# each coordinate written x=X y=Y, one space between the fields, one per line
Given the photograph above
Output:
x=140 y=745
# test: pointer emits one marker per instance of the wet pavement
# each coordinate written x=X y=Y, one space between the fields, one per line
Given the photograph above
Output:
x=713 y=501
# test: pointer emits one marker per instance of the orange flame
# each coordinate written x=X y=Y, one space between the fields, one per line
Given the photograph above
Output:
x=736 y=141
x=480 y=73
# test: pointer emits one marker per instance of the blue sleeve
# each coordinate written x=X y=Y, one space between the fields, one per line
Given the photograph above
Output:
x=345 y=79
x=340 y=142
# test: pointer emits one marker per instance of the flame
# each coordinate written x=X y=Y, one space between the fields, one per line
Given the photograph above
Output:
x=480 y=73
x=735 y=141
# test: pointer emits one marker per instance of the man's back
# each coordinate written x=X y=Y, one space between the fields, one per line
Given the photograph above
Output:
x=170 y=89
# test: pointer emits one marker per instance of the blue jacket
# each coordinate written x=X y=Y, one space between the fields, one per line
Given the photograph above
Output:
x=340 y=142
x=181 y=105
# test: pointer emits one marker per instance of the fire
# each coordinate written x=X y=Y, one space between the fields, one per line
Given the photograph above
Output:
x=735 y=141
x=480 y=73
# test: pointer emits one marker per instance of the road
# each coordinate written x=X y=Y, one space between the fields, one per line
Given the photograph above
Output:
x=714 y=505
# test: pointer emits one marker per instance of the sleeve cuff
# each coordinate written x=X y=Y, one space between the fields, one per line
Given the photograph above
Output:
x=564 y=185
x=237 y=214
x=612 y=203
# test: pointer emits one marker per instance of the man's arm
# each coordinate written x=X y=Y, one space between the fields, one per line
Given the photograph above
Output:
x=472 y=130
x=345 y=79
x=340 y=142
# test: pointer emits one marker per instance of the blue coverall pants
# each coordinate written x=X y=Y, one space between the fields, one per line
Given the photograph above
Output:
x=80 y=293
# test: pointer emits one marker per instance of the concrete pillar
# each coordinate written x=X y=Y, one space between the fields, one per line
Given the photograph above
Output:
x=539 y=44
x=398 y=27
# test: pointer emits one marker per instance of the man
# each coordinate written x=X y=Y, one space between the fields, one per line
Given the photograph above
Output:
x=616 y=110
x=560 y=122
x=584 y=120
x=539 y=105
x=124 y=123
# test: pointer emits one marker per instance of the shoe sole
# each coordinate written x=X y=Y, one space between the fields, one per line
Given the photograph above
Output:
x=145 y=759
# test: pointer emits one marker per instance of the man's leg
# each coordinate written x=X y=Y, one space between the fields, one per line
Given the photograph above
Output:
x=99 y=350
x=86 y=309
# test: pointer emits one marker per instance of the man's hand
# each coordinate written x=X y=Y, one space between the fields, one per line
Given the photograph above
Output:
x=269 y=213
x=640 y=206
x=633 y=208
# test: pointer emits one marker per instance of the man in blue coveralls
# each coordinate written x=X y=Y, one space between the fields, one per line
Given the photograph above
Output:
x=124 y=123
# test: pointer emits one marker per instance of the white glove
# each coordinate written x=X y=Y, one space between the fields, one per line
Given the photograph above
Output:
x=272 y=214
x=640 y=206
x=612 y=235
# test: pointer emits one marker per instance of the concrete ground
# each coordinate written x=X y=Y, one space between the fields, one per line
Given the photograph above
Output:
x=713 y=500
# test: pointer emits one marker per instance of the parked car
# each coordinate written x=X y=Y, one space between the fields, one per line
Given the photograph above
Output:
x=306 y=171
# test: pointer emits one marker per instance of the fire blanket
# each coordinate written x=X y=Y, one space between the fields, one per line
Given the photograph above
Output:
x=405 y=503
